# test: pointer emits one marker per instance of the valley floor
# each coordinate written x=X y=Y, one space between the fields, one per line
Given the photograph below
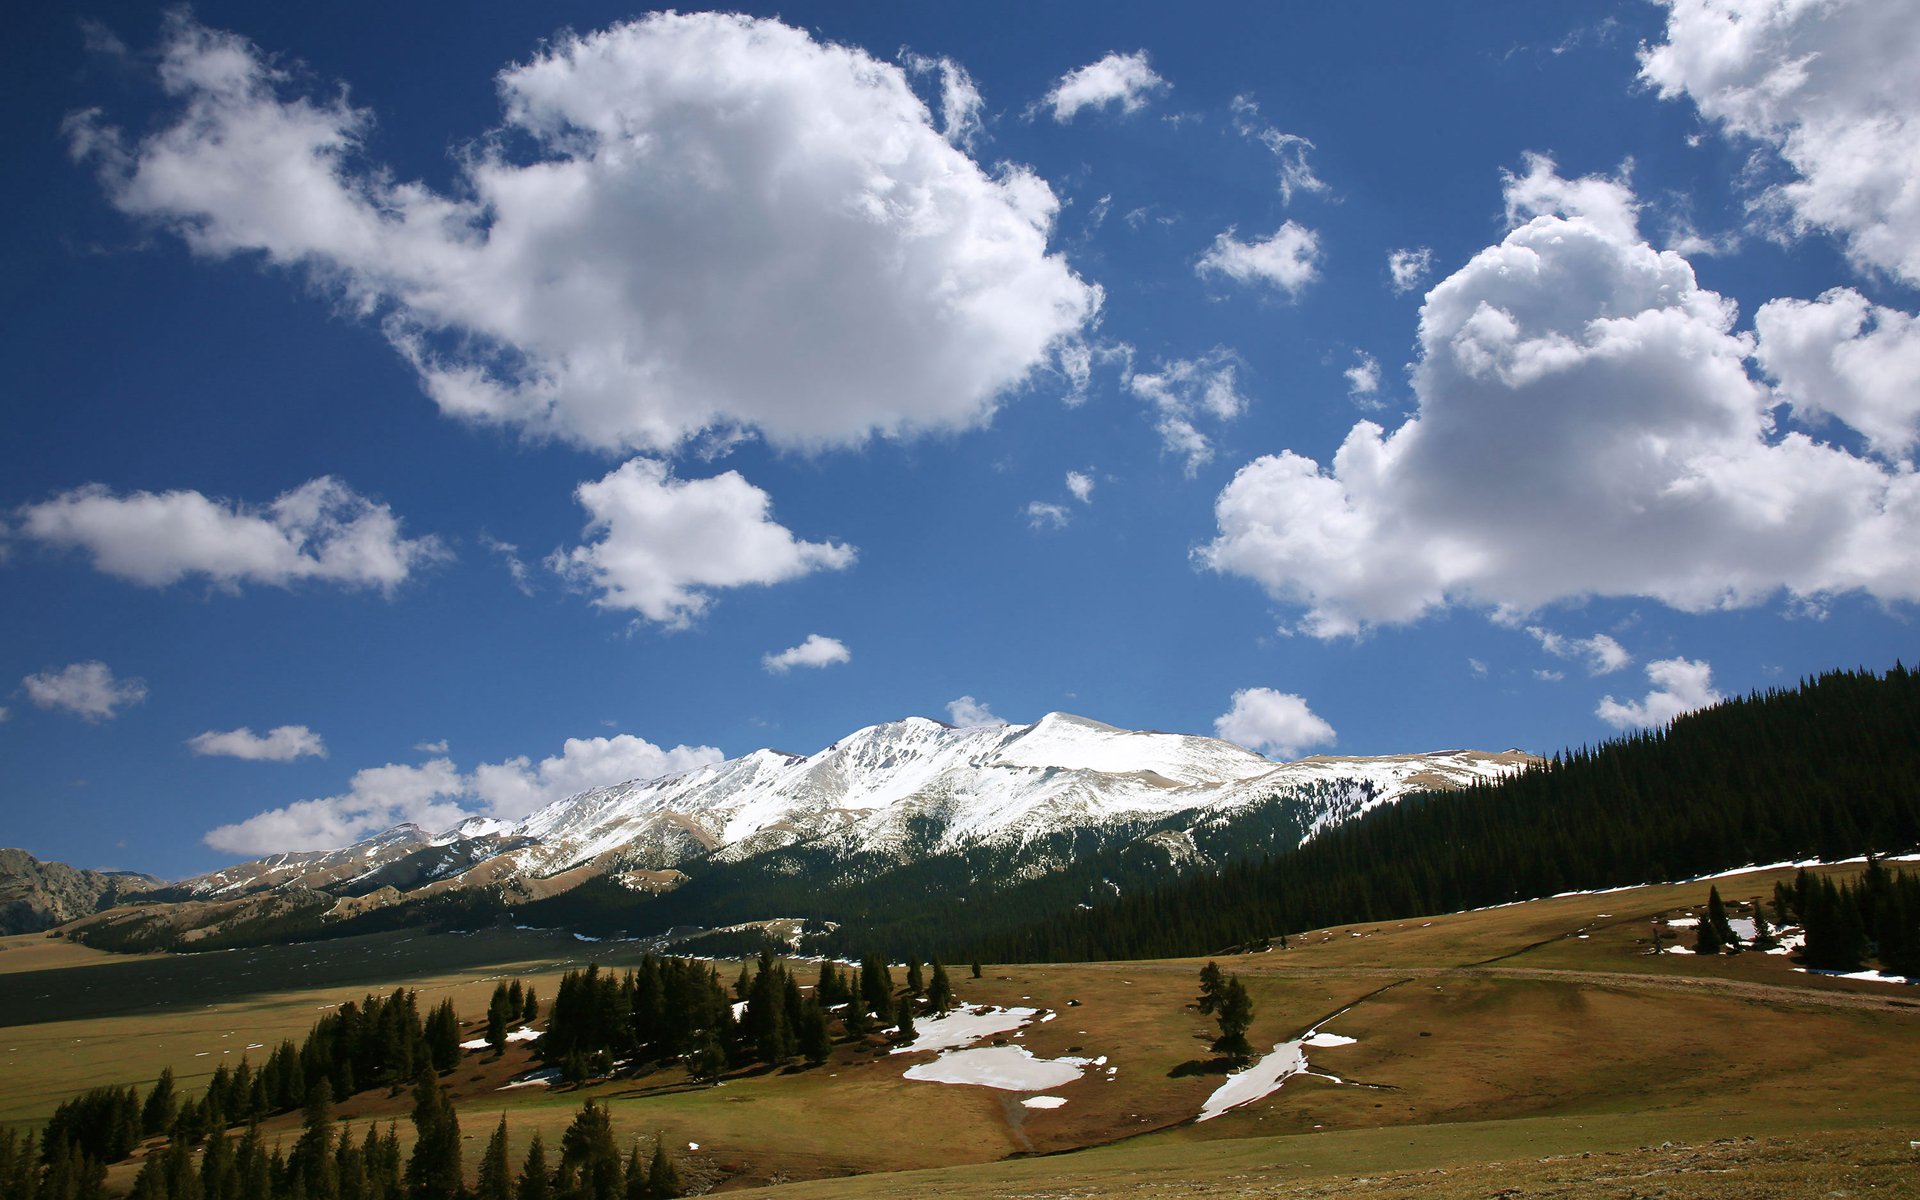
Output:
x=1534 y=1050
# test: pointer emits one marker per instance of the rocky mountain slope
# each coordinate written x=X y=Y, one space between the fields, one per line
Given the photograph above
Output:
x=998 y=804
x=37 y=895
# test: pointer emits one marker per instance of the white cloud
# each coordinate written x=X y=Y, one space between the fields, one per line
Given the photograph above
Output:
x=1287 y=259
x=1184 y=390
x=1680 y=686
x=5 y=712
x=816 y=651
x=509 y=554
x=1043 y=515
x=968 y=713
x=86 y=689
x=516 y=787
x=1845 y=357
x=1828 y=86
x=322 y=530
x=1080 y=483
x=1546 y=676
x=1586 y=426
x=439 y=747
x=779 y=242
x=1478 y=668
x=1125 y=80
x=1606 y=205
x=1290 y=149
x=1276 y=723
x=661 y=545
x=436 y=795
x=961 y=104
x=283 y=743
x=1602 y=655
x=1409 y=268
x=1363 y=377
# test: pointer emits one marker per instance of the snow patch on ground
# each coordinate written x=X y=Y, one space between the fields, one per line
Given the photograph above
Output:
x=1043 y=1101
x=965 y=1026
x=1322 y=1040
x=1269 y=1071
x=1869 y=976
x=1009 y=1068
x=545 y=1077
x=523 y=1034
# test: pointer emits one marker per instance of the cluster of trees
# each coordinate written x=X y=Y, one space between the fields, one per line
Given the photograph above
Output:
x=678 y=1010
x=377 y=1042
x=1224 y=998
x=1823 y=770
x=512 y=1003
x=589 y=1167
x=1850 y=924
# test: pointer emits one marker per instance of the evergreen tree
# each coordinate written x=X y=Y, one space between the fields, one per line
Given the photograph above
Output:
x=1234 y=1011
x=433 y=1170
x=976 y=968
x=1717 y=917
x=442 y=1037
x=1211 y=983
x=312 y=1158
x=637 y=1175
x=1706 y=936
x=499 y=1013
x=916 y=984
x=536 y=1182
x=903 y=1018
x=663 y=1177
x=531 y=1012
x=589 y=1159
x=496 y=1170
x=161 y=1107
x=940 y=991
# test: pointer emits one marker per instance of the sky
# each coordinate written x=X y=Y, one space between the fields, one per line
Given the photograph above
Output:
x=419 y=411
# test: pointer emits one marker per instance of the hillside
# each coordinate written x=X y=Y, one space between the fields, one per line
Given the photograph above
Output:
x=36 y=895
x=1823 y=770
x=1533 y=1047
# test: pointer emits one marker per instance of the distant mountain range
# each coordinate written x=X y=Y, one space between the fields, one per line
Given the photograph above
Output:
x=913 y=807
x=37 y=895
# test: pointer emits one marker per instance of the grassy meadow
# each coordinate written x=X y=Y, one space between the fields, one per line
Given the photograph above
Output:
x=1535 y=1046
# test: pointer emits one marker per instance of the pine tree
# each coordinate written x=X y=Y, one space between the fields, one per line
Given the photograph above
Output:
x=637 y=1175
x=498 y=1015
x=161 y=1107
x=589 y=1159
x=433 y=1171
x=976 y=968
x=903 y=1018
x=531 y=1012
x=916 y=984
x=312 y=1157
x=663 y=1177
x=1717 y=917
x=940 y=991
x=496 y=1170
x=1211 y=983
x=536 y=1182
x=1234 y=1011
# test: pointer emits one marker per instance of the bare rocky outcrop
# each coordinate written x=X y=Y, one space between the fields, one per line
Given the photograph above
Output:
x=37 y=895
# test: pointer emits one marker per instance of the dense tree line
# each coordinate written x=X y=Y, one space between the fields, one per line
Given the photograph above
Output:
x=1822 y=770
x=675 y=1010
x=1851 y=925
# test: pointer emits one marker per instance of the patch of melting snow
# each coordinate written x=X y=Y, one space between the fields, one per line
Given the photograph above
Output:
x=1869 y=976
x=1268 y=1072
x=1683 y=922
x=1043 y=1102
x=522 y=1034
x=545 y=1077
x=1009 y=1068
x=965 y=1026
x=1675 y=950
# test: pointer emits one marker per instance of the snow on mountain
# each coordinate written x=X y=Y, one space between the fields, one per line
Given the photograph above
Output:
x=897 y=789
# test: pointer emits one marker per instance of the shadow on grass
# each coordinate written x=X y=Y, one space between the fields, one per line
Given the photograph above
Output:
x=1223 y=1065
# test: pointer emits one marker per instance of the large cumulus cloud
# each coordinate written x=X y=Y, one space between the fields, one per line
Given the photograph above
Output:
x=1587 y=426
x=685 y=223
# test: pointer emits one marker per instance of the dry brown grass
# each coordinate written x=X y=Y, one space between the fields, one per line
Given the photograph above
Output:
x=1494 y=1050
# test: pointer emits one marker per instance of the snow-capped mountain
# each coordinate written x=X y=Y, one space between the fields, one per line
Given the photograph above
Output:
x=886 y=793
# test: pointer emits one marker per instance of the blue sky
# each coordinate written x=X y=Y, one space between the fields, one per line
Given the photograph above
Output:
x=422 y=413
